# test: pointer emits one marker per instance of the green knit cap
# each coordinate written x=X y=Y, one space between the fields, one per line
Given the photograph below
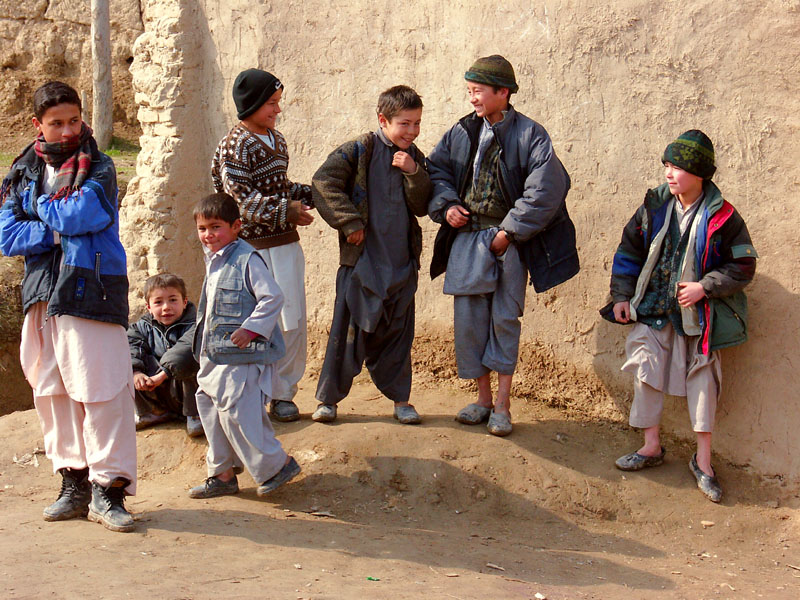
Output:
x=493 y=70
x=693 y=152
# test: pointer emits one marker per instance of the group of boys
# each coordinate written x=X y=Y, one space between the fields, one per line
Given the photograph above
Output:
x=493 y=183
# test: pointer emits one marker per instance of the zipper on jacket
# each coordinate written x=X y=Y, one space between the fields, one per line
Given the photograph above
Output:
x=97 y=273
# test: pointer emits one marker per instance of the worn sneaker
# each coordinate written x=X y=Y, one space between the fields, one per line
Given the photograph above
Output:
x=74 y=497
x=213 y=487
x=707 y=484
x=289 y=471
x=499 y=424
x=284 y=411
x=152 y=419
x=636 y=462
x=108 y=506
x=407 y=415
x=194 y=427
x=473 y=414
x=325 y=413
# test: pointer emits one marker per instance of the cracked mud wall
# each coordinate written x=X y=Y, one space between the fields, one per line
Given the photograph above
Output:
x=50 y=39
x=612 y=83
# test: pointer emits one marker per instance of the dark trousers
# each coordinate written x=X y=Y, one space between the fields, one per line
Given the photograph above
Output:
x=174 y=395
x=386 y=351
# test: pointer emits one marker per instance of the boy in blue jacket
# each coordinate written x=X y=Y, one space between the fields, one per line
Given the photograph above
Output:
x=59 y=211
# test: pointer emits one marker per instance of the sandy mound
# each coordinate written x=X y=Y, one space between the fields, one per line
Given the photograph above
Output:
x=426 y=511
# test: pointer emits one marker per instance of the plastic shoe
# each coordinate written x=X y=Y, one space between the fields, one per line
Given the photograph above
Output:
x=499 y=424
x=152 y=419
x=284 y=411
x=473 y=414
x=407 y=415
x=636 y=462
x=289 y=471
x=707 y=484
x=325 y=413
x=213 y=487
x=74 y=497
x=194 y=427
x=108 y=506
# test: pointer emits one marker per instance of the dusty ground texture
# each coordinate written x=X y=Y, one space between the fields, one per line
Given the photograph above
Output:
x=389 y=511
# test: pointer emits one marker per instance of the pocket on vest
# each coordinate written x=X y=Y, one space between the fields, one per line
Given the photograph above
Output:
x=228 y=299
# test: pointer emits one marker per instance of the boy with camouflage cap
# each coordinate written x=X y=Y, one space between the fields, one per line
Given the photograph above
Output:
x=498 y=185
x=678 y=272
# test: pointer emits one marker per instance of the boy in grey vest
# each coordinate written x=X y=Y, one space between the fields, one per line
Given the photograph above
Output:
x=236 y=342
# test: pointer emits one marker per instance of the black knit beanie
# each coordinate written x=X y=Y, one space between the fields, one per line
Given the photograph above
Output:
x=493 y=70
x=251 y=89
x=693 y=152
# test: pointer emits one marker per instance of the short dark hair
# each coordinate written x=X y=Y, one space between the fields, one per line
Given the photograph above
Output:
x=397 y=98
x=52 y=94
x=497 y=88
x=217 y=206
x=161 y=282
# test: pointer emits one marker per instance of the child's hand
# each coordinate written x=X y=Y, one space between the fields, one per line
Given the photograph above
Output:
x=689 y=293
x=242 y=337
x=404 y=162
x=622 y=312
x=141 y=382
x=500 y=243
x=357 y=237
x=298 y=213
x=157 y=379
x=457 y=216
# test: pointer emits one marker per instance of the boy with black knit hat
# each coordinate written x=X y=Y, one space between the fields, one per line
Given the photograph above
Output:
x=499 y=193
x=60 y=212
x=250 y=164
x=679 y=272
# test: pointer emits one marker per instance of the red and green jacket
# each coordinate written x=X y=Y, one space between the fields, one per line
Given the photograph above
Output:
x=724 y=255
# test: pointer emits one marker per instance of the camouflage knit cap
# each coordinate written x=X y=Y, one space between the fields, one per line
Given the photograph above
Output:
x=693 y=152
x=493 y=70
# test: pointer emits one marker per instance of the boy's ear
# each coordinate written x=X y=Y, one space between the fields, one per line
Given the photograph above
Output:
x=37 y=124
x=236 y=226
x=382 y=120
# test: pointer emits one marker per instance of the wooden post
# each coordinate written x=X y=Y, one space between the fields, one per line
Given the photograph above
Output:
x=102 y=98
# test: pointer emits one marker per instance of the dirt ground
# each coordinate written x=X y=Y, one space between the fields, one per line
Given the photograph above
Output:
x=382 y=510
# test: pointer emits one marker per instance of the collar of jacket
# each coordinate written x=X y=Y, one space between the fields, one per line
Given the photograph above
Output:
x=472 y=124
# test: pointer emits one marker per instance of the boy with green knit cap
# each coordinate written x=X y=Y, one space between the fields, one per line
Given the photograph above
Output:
x=499 y=194
x=678 y=273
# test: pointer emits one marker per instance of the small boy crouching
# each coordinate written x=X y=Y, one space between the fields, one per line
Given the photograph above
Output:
x=60 y=212
x=237 y=340
x=372 y=190
x=679 y=272
x=164 y=368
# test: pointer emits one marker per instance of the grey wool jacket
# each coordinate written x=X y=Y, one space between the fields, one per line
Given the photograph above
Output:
x=339 y=190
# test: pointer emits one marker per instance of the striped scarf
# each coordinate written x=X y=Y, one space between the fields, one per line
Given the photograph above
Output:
x=72 y=157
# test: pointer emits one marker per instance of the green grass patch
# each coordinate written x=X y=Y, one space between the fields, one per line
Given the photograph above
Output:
x=6 y=158
x=121 y=147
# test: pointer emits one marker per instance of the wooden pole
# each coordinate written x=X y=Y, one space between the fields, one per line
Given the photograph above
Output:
x=102 y=98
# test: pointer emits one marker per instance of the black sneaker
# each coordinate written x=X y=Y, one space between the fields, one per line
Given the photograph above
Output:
x=108 y=506
x=213 y=487
x=284 y=411
x=73 y=500
x=288 y=472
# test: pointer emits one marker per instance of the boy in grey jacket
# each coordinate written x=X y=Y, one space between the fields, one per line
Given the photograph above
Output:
x=237 y=341
x=497 y=183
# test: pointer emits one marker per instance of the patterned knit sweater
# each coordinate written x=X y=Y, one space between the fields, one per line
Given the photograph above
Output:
x=255 y=175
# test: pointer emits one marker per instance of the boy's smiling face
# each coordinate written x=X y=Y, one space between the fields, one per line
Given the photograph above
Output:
x=215 y=233
x=265 y=118
x=487 y=102
x=682 y=183
x=59 y=122
x=403 y=128
x=166 y=305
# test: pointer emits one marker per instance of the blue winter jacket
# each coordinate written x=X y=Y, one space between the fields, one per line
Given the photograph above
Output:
x=85 y=275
